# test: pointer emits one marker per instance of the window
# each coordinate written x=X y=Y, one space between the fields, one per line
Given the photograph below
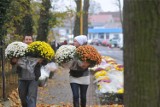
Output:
x=116 y=36
x=94 y=35
x=89 y=36
x=101 y=35
x=107 y=35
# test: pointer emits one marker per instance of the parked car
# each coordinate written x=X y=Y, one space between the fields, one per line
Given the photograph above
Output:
x=114 y=43
x=96 y=42
x=106 y=43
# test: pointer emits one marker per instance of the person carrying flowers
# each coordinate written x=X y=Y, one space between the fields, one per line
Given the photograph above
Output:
x=28 y=69
x=27 y=83
x=79 y=73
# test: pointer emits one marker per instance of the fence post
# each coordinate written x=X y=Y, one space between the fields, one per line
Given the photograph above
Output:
x=2 y=69
x=3 y=19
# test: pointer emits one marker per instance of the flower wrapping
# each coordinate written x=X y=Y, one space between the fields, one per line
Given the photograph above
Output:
x=39 y=49
x=15 y=50
x=88 y=53
x=28 y=63
x=64 y=54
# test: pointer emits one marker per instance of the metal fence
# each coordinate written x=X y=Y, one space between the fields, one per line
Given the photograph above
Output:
x=11 y=80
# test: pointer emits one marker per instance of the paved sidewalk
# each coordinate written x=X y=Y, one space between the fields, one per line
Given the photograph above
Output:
x=58 y=90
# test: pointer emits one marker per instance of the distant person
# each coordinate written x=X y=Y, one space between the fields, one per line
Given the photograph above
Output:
x=65 y=42
x=54 y=45
x=111 y=43
x=58 y=45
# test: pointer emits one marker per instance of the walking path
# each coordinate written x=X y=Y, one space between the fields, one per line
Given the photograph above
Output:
x=58 y=90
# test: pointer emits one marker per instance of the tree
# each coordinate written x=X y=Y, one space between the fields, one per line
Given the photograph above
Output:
x=85 y=17
x=4 y=4
x=76 y=31
x=95 y=7
x=3 y=10
x=141 y=53
x=20 y=19
x=27 y=21
x=35 y=7
x=118 y=3
x=44 y=21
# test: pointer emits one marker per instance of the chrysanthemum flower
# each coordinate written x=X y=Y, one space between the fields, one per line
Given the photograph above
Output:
x=15 y=49
x=40 y=49
x=88 y=53
x=65 y=53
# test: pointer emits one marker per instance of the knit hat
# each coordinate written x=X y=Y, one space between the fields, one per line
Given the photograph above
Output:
x=81 y=39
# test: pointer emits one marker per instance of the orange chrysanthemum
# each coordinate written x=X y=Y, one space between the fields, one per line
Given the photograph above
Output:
x=88 y=53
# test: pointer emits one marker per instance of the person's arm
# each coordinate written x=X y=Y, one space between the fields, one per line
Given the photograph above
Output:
x=79 y=63
x=84 y=65
x=13 y=61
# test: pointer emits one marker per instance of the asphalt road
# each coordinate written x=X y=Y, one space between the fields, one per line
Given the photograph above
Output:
x=115 y=53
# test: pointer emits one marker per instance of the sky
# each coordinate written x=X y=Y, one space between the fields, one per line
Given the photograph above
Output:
x=106 y=5
x=109 y=5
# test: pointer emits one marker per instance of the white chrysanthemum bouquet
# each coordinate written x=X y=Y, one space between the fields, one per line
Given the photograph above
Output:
x=65 y=53
x=15 y=50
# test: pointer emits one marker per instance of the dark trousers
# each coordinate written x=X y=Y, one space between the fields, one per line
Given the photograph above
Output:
x=28 y=92
x=76 y=88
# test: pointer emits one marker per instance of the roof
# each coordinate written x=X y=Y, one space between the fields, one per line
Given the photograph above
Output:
x=118 y=30
x=100 y=18
x=114 y=14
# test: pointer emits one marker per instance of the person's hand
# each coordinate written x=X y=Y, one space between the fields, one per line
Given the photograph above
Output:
x=40 y=61
x=84 y=65
x=13 y=61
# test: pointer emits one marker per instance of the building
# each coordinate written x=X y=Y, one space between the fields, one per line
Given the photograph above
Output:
x=102 y=33
x=112 y=34
x=105 y=25
x=105 y=20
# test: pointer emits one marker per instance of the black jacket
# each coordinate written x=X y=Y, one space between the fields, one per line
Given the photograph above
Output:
x=77 y=71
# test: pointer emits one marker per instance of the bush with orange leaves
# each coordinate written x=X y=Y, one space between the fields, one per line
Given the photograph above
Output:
x=89 y=54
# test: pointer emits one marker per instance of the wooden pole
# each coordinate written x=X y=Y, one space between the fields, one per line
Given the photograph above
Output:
x=81 y=18
x=2 y=69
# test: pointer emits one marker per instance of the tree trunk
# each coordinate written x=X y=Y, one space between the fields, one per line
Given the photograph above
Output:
x=4 y=4
x=141 y=53
x=85 y=17
x=27 y=23
x=44 y=21
x=76 y=30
